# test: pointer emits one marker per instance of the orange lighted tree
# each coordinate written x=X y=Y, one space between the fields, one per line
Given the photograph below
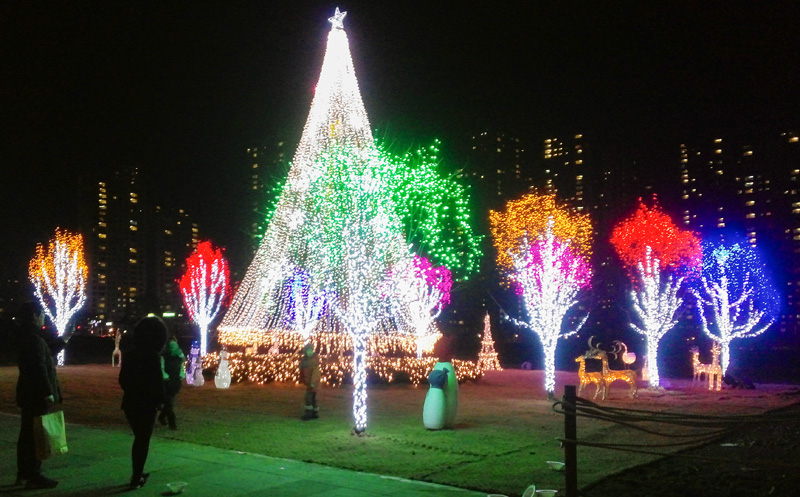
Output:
x=528 y=217
x=58 y=273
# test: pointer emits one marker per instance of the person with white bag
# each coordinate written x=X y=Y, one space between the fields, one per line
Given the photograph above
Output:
x=37 y=389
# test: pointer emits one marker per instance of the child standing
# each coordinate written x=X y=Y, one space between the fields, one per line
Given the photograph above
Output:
x=309 y=376
x=172 y=361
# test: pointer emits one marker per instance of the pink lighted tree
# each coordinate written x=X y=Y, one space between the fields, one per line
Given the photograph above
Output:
x=425 y=289
x=550 y=275
x=204 y=286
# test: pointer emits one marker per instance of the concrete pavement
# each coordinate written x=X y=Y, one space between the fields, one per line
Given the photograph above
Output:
x=98 y=463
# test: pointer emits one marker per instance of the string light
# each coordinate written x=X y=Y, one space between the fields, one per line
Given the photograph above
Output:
x=434 y=210
x=659 y=257
x=528 y=216
x=58 y=273
x=742 y=302
x=551 y=271
x=204 y=286
x=426 y=290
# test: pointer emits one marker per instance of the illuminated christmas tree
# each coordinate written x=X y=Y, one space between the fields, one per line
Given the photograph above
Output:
x=333 y=261
x=487 y=358
x=741 y=301
x=659 y=256
x=58 y=273
x=204 y=286
x=545 y=248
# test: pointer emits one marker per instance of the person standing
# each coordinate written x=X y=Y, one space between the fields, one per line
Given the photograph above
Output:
x=309 y=376
x=142 y=384
x=172 y=369
x=37 y=388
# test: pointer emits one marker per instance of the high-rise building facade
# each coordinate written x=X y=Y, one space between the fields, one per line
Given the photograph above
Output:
x=498 y=169
x=135 y=251
x=565 y=169
x=265 y=165
x=750 y=186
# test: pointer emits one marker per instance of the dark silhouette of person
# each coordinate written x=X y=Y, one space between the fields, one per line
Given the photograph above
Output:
x=142 y=384
x=37 y=388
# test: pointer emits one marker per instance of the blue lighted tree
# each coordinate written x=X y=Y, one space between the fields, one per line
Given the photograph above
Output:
x=735 y=298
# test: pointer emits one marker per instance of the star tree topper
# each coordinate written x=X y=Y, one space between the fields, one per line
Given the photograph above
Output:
x=338 y=19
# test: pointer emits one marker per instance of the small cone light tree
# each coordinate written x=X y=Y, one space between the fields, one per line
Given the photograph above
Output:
x=659 y=256
x=545 y=249
x=204 y=286
x=487 y=358
x=742 y=302
x=425 y=290
x=58 y=273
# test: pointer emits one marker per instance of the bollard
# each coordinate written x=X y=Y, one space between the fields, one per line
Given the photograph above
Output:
x=570 y=435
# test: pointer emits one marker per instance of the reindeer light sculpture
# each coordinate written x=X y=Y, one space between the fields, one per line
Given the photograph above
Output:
x=587 y=378
x=628 y=358
x=712 y=371
x=612 y=375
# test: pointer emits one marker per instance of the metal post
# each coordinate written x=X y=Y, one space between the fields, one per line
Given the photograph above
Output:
x=570 y=449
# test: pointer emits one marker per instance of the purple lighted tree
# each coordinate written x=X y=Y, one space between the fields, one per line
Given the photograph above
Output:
x=741 y=301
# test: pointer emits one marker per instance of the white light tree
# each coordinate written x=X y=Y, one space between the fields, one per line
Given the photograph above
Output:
x=660 y=255
x=58 y=273
x=204 y=286
x=550 y=275
x=356 y=242
x=742 y=302
x=426 y=290
x=656 y=304
x=551 y=270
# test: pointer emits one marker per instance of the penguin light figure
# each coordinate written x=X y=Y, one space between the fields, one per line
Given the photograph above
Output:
x=434 y=411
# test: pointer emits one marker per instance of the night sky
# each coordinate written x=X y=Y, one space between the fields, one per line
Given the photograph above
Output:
x=181 y=89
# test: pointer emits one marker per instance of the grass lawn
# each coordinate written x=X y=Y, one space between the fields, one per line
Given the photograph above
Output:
x=505 y=428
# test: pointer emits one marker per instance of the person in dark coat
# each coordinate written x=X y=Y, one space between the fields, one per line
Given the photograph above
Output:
x=172 y=361
x=37 y=388
x=143 y=390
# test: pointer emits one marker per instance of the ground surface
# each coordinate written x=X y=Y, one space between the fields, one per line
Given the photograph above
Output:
x=505 y=431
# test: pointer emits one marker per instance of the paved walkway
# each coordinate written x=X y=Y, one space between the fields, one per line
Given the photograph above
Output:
x=98 y=463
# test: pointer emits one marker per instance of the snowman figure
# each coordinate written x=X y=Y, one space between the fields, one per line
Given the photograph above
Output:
x=194 y=373
x=222 y=379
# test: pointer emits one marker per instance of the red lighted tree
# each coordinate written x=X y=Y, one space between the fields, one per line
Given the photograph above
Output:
x=659 y=256
x=204 y=286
